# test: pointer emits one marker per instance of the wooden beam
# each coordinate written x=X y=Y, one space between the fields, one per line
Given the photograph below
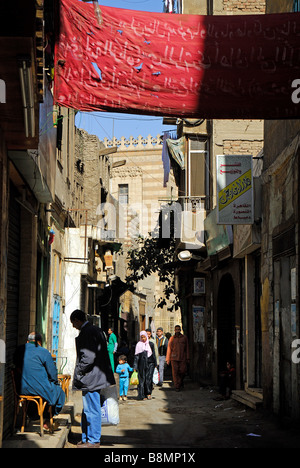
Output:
x=105 y=151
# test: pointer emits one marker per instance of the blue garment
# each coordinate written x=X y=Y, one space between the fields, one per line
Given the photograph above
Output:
x=166 y=155
x=38 y=375
x=124 y=377
x=91 y=417
x=123 y=386
x=124 y=367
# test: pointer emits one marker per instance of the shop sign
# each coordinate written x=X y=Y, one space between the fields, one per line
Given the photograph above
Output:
x=235 y=189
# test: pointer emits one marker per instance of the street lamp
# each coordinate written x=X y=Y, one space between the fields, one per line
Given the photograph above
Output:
x=186 y=256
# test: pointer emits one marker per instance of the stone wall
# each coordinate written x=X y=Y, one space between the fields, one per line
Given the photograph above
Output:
x=245 y=6
x=92 y=175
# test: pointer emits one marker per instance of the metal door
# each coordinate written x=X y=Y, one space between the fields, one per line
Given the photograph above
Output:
x=13 y=271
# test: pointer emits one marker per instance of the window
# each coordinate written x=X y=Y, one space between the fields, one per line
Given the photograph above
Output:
x=296 y=6
x=197 y=182
x=123 y=194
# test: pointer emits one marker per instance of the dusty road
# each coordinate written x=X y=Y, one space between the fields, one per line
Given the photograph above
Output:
x=194 y=418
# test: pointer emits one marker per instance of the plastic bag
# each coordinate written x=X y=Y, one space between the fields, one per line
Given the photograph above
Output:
x=109 y=407
x=134 y=379
x=155 y=377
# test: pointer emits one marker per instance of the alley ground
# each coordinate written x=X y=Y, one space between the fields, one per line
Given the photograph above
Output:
x=194 y=418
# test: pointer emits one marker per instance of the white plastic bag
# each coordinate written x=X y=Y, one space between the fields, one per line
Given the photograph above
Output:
x=155 y=377
x=109 y=407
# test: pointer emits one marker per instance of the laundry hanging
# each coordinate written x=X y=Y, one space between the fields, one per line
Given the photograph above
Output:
x=170 y=6
x=227 y=67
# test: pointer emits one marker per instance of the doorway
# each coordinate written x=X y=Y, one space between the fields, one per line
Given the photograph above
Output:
x=226 y=323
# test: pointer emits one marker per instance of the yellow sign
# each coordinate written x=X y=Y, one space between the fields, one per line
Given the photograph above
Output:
x=235 y=189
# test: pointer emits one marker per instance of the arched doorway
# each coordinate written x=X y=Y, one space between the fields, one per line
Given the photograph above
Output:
x=226 y=323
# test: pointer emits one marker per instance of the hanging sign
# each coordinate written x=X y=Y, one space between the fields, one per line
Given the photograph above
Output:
x=235 y=189
x=235 y=67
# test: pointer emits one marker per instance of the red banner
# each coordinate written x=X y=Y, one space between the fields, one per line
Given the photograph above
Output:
x=226 y=67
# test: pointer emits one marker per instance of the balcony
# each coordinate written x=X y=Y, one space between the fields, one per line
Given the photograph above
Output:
x=190 y=215
x=108 y=235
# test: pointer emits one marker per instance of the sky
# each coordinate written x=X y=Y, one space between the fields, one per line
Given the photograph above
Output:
x=106 y=124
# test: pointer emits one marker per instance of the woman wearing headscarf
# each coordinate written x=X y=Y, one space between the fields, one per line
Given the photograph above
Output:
x=143 y=364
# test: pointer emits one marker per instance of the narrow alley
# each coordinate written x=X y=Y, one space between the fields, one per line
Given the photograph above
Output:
x=195 y=418
x=150 y=182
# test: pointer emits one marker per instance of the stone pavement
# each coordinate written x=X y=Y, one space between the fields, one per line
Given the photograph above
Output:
x=31 y=437
x=194 y=418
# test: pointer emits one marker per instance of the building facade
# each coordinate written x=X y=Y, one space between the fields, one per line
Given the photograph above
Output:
x=141 y=189
x=248 y=310
x=222 y=319
x=280 y=258
x=28 y=146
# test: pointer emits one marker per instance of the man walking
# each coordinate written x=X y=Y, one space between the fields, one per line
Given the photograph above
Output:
x=162 y=345
x=178 y=356
x=112 y=347
x=93 y=372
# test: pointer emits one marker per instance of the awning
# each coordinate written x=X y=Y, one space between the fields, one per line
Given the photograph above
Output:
x=26 y=163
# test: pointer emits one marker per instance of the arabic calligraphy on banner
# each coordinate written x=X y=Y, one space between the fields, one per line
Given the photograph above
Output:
x=178 y=65
x=235 y=189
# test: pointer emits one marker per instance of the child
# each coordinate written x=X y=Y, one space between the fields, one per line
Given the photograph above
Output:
x=123 y=370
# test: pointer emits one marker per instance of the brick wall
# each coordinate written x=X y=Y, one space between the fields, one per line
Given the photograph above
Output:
x=90 y=177
x=242 y=147
x=247 y=6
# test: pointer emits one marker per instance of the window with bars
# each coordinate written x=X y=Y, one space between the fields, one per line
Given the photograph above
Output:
x=197 y=173
x=123 y=194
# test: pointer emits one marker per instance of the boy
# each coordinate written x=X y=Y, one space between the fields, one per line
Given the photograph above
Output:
x=123 y=370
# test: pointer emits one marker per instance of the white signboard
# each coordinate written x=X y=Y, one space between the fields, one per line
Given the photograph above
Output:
x=235 y=189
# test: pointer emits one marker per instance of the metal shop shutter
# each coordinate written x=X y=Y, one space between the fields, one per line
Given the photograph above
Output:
x=13 y=265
